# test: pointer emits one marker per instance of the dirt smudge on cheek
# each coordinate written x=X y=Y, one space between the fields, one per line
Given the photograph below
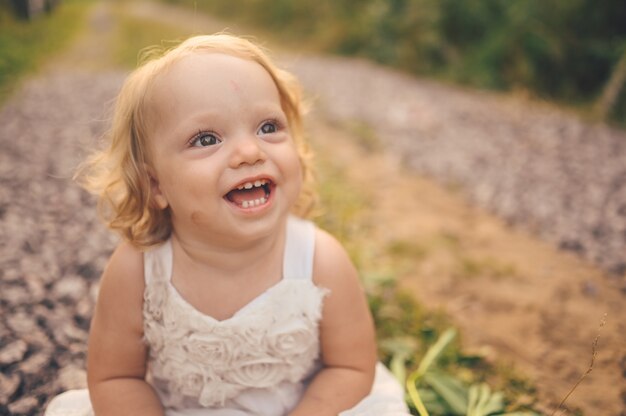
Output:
x=198 y=218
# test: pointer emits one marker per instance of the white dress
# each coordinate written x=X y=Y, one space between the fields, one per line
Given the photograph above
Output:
x=257 y=362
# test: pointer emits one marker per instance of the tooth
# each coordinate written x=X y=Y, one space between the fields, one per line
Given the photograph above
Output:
x=257 y=184
x=248 y=185
x=244 y=204
x=263 y=200
x=257 y=202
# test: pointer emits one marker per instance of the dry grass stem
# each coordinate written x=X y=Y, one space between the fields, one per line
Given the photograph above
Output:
x=594 y=353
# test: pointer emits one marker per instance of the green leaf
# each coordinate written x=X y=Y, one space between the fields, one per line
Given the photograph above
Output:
x=435 y=350
x=401 y=349
x=400 y=345
x=398 y=368
x=482 y=402
x=415 y=396
x=472 y=399
x=520 y=414
x=429 y=358
x=494 y=404
x=453 y=392
x=433 y=402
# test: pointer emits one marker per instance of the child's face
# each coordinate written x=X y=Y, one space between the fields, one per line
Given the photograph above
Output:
x=223 y=159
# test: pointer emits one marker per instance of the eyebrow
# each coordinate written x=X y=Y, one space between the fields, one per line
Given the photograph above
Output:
x=268 y=107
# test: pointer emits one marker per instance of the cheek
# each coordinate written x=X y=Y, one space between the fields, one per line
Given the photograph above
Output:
x=198 y=218
x=294 y=168
x=300 y=174
x=187 y=192
x=297 y=173
x=292 y=160
x=300 y=168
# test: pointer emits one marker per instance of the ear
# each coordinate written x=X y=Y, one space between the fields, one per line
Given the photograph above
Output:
x=157 y=195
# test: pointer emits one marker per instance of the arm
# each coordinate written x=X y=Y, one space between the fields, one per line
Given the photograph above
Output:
x=346 y=333
x=116 y=358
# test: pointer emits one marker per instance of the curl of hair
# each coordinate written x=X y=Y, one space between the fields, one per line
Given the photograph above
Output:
x=119 y=174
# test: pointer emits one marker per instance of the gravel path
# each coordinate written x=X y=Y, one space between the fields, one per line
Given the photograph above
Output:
x=531 y=164
x=52 y=245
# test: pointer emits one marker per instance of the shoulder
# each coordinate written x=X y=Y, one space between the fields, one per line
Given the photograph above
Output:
x=125 y=267
x=122 y=283
x=346 y=326
x=331 y=263
x=116 y=348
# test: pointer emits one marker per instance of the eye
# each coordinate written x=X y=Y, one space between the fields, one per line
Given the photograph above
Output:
x=205 y=139
x=268 y=127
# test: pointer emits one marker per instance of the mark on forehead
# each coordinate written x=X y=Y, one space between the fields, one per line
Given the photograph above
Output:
x=235 y=85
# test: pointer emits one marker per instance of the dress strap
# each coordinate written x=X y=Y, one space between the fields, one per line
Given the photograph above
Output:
x=157 y=263
x=299 y=249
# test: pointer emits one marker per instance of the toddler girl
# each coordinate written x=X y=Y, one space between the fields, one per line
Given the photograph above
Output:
x=222 y=301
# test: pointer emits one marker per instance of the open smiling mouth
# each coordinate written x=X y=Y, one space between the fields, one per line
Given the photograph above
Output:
x=251 y=194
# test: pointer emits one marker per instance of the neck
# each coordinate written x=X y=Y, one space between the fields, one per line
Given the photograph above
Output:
x=228 y=255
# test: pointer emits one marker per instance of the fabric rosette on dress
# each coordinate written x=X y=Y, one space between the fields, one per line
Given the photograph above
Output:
x=198 y=361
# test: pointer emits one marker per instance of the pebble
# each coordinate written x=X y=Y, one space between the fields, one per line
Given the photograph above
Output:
x=8 y=386
x=21 y=322
x=36 y=363
x=72 y=377
x=71 y=287
x=13 y=352
x=16 y=294
x=25 y=405
x=590 y=289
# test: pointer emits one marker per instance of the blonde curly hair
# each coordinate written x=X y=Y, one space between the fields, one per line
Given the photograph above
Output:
x=119 y=175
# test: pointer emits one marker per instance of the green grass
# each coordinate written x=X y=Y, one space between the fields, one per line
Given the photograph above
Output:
x=25 y=45
x=470 y=267
x=365 y=136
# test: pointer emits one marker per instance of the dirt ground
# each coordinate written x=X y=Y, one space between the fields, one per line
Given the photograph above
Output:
x=515 y=297
x=522 y=301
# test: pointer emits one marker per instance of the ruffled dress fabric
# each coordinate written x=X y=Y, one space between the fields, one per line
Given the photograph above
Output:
x=257 y=362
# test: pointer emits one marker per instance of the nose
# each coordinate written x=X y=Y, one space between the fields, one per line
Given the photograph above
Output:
x=246 y=151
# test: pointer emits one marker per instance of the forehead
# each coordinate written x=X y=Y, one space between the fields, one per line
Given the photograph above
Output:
x=204 y=90
x=217 y=74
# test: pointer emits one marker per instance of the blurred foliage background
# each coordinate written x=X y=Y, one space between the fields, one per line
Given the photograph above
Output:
x=570 y=51
x=26 y=43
